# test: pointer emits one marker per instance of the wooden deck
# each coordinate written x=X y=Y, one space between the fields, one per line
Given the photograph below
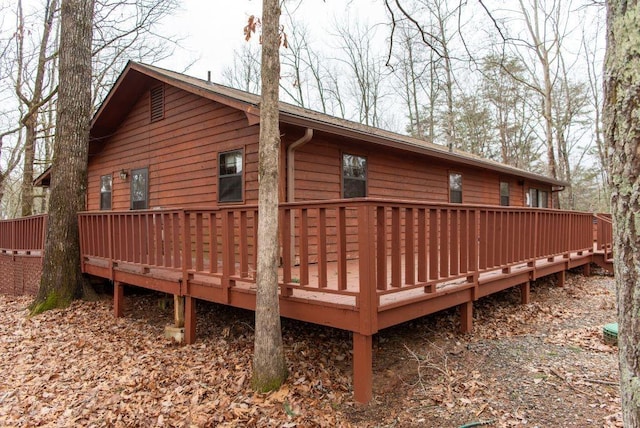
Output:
x=358 y=265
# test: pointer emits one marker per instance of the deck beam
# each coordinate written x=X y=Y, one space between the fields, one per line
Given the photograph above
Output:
x=362 y=368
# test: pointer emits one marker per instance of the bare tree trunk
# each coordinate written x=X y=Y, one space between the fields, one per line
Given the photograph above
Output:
x=34 y=102
x=61 y=277
x=269 y=366
x=622 y=134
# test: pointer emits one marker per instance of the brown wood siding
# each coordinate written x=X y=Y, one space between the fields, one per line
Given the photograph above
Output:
x=181 y=152
x=395 y=175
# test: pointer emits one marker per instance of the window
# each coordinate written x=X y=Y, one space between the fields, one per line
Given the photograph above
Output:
x=105 y=192
x=156 y=103
x=140 y=189
x=504 y=193
x=354 y=176
x=538 y=198
x=455 y=188
x=230 y=176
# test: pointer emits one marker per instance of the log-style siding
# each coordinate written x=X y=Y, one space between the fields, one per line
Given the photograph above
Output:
x=181 y=152
x=392 y=174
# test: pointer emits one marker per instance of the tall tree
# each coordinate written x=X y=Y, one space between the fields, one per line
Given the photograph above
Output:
x=622 y=135
x=37 y=94
x=269 y=366
x=61 y=280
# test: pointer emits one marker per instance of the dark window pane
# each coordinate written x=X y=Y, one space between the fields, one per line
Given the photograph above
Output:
x=105 y=192
x=455 y=188
x=354 y=176
x=139 y=189
x=230 y=176
x=105 y=201
x=355 y=188
x=504 y=193
x=230 y=189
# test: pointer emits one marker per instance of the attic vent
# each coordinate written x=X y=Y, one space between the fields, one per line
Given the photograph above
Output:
x=157 y=103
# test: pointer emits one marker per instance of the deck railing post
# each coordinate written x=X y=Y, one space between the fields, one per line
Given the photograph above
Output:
x=368 y=307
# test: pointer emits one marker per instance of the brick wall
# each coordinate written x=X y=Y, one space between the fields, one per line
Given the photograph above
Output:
x=20 y=273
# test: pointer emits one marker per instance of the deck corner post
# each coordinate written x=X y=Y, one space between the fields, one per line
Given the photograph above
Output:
x=189 y=320
x=466 y=317
x=525 y=293
x=362 y=367
x=118 y=299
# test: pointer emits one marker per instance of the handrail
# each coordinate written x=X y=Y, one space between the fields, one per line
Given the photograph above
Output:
x=409 y=244
x=604 y=234
x=26 y=234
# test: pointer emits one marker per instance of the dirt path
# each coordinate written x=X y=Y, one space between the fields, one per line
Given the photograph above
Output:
x=542 y=364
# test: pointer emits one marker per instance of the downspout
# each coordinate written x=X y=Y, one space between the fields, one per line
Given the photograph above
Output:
x=308 y=135
x=291 y=163
x=556 y=190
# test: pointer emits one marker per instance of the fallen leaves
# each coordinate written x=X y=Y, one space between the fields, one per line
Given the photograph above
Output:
x=538 y=364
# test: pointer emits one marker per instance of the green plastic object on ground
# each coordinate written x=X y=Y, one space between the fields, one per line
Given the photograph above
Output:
x=610 y=333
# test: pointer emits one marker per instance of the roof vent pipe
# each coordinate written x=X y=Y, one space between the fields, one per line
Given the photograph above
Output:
x=209 y=76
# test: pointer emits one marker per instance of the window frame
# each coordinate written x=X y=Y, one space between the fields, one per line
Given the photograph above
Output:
x=135 y=172
x=344 y=177
x=451 y=194
x=535 y=201
x=222 y=177
x=103 y=206
x=507 y=184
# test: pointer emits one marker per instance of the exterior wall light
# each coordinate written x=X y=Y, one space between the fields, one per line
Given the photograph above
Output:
x=124 y=174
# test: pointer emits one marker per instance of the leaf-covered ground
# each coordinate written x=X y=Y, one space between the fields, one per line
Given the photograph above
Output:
x=542 y=364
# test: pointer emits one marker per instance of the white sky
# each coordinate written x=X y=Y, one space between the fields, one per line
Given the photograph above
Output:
x=211 y=32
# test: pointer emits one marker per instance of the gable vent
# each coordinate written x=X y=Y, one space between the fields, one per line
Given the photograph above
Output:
x=157 y=103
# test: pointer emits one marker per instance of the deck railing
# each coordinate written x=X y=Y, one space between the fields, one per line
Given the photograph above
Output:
x=604 y=234
x=23 y=234
x=398 y=245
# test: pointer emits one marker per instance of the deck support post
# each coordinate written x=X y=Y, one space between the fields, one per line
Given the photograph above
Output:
x=189 y=320
x=586 y=269
x=362 y=368
x=561 y=277
x=118 y=299
x=178 y=310
x=466 y=317
x=525 y=293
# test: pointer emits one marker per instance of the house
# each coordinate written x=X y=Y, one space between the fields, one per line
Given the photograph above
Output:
x=165 y=139
x=376 y=228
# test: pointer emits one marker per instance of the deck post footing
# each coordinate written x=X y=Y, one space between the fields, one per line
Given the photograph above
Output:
x=175 y=333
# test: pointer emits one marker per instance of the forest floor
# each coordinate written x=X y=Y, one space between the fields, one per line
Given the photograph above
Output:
x=543 y=364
